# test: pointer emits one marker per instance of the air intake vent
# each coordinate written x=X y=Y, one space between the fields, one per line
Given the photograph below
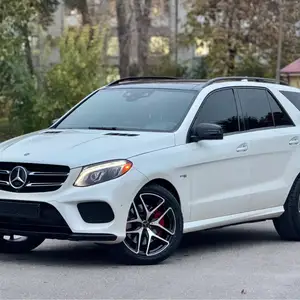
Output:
x=121 y=134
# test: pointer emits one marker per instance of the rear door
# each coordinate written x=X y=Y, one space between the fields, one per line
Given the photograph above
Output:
x=272 y=139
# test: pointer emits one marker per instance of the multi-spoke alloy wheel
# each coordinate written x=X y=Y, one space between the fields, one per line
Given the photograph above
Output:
x=150 y=226
x=19 y=244
x=154 y=226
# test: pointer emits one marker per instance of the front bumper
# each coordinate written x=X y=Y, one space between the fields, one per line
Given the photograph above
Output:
x=61 y=219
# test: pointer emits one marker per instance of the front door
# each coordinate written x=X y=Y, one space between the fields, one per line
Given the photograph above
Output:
x=219 y=169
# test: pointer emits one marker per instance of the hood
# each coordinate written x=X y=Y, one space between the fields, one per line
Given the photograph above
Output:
x=76 y=148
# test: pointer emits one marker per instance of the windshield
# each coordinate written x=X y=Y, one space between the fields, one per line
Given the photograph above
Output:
x=137 y=109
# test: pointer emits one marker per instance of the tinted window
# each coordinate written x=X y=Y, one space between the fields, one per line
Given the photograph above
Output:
x=132 y=109
x=256 y=108
x=280 y=117
x=220 y=108
x=294 y=97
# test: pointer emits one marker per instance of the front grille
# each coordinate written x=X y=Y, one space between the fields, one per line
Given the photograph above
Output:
x=48 y=222
x=41 y=178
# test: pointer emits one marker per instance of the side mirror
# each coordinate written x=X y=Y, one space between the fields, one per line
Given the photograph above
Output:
x=207 y=131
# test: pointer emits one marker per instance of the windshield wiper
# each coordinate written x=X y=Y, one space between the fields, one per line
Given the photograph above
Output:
x=105 y=128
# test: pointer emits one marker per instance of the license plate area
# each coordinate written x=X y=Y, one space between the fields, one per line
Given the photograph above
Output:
x=16 y=209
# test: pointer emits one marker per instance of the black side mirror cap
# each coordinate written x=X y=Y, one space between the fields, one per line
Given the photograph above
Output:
x=207 y=131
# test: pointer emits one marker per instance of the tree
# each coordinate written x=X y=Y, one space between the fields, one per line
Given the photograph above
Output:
x=17 y=18
x=80 y=71
x=238 y=29
x=18 y=84
x=142 y=10
x=124 y=37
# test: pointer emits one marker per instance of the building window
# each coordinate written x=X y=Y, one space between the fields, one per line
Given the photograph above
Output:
x=159 y=45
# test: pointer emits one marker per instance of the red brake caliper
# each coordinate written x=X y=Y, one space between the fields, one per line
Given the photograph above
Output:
x=157 y=215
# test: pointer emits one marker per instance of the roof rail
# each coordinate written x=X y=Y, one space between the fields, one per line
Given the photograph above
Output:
x=129 y=79
x=243 y=78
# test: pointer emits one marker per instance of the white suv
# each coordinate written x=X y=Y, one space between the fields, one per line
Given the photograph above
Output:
x=141 y=161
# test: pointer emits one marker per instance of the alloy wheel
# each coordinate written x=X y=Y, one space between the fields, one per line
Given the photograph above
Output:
x=151 y=225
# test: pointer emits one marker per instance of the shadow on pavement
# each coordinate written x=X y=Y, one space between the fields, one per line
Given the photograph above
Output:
x=228 y=237
x=89 y=254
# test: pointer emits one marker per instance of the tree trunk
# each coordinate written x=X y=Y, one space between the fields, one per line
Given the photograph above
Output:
x=231 y=48
x=143 y=23
x=28 y=53
x=84 y=10
x=124 y=37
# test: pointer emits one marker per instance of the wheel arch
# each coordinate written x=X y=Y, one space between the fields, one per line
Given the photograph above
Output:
x=297 y=178
x=167 y=185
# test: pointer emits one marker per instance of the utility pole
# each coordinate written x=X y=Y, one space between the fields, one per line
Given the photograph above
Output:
x=280 y=38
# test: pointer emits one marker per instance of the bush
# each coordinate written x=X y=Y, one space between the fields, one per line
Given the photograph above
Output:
x=80 y=71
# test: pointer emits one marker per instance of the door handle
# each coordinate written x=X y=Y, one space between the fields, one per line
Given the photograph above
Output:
x=294 y=141
x=242 y=148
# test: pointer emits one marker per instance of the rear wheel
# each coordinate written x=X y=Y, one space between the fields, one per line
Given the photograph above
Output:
x=288 y=224
x=19 y=244
x=154 y=227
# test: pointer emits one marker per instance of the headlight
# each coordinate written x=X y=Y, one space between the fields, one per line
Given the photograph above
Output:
x=95 y=174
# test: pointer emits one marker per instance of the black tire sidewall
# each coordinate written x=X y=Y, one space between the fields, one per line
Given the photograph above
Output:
x=22 y=246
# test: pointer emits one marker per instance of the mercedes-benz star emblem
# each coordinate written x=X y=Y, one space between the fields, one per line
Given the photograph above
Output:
x=18 y=177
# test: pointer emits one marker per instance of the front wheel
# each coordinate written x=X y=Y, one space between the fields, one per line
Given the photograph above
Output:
x=154 y=227
x=19 y=244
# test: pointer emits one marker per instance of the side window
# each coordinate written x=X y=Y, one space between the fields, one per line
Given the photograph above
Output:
x=294 y=97
x=220 y=108
x=280 y=117
x=256 y=108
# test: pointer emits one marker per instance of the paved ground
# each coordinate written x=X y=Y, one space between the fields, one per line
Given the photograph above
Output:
x=242 y=262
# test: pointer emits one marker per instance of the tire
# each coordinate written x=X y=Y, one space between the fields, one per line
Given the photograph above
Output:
x=288 y=224
x=19 y=245
x=164 y=225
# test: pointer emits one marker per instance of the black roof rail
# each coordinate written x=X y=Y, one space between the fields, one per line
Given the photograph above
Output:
x=245 y=78
x=129 y=79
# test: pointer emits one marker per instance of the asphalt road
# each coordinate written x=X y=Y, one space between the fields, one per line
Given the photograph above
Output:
x=241 y=262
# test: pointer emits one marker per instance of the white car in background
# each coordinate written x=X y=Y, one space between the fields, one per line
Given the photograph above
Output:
x=142 y=161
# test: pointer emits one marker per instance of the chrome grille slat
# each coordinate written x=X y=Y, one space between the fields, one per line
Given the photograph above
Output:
x=47 y=174
x=40 y=177
x=2 y=182
x=36 y=184
x=4 y=172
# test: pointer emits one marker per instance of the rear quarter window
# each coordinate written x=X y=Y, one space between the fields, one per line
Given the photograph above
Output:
x=294 y=97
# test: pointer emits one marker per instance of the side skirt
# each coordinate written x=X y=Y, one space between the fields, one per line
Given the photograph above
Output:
x=249 y=217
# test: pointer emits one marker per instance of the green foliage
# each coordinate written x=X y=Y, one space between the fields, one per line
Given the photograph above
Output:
x=198 y=69
x=80 y=71
x=19 y=91
x=165 y=66
x=18 y=13
x=239 y=32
